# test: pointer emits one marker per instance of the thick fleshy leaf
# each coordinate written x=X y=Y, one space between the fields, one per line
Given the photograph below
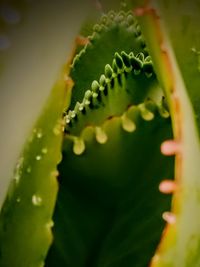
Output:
x=101 y=210
x=173 y=39
x=26 y=216
x=36 y=37
x=109 y=208
x=90 y=62
x=28 y=66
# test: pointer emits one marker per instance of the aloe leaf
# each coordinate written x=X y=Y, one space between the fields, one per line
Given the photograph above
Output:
x=104 y=150
x=26 y=216
x=96 y=215
x=173 y=41
x=30 y=61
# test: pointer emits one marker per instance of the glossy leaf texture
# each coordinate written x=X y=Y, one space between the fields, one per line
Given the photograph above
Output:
x=109 y=208
x=173 y=40
x=26 y=214
x=135 y=101
x=31 y=58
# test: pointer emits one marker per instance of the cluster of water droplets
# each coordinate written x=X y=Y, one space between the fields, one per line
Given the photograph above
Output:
x=18 y=170
x=37 y=200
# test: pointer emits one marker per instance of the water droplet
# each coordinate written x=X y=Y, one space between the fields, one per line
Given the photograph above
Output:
x=167 y=186
x=170 y=147
x=146 y=114
x=81 y=107
x=50 y=224
x=28 y=170
x=36 y=200
x=18 y=170
x=42 y=264
x=193 y=49
x=19 y=163
x=197 y=53
x=55 y=173
x=16 y=178
x=44 y=150
x=155 y=259
x=163 y=112
x=39 y=134
x=18 y=200
x=67 y=119
x=101 y=136
x=79 y=146
x=38 y=157
x=66 y=78
x=169 y=217
x=10 y=15
x=57 y=129
x=4 y=42
x=127 y=124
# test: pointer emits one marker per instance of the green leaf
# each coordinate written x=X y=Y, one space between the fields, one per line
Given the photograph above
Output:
x=90 y=62
x=173 y=40
x=29 y=66
x=26 y=216
x=99 y=215
x=107 y=211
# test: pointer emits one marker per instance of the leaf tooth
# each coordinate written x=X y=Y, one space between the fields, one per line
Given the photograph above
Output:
x=127 y=124
x=96 y=89
x=141 y=57
x=108 y=72
x=142 y=42
x=167 y=186
x=120 y=17
x=137 y=31
x=163 y=109
x=102 y=80
x=104 y=19
x=95 y=86
x=94 y=37
x=126 y=61
x=147 y=110
x=102 y=85
x=130 y=19
x=88 y=97
x=78 y=146
x=119 y=61
x=137 y=65
x=77 y=107
x=124 y=24
x=169 y=217
x=111 y=14
x=101 y=136
x=75 y=60
x=115 y=68
x=67 y=119
x=97 y=28
x=170 y=147
x=148 y=69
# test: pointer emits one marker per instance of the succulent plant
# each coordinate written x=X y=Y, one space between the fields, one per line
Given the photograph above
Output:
x=109 y=176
